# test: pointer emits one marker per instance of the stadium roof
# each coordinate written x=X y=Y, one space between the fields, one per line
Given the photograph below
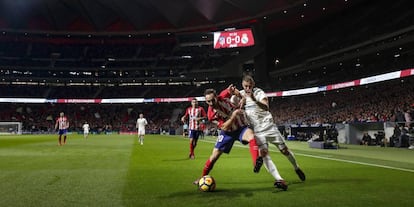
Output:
x=156 y=16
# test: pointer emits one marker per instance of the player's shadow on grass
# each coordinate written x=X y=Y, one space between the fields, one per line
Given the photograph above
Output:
x=226 y=192
x=202 y=158
x=176 y=160
x=222 y=193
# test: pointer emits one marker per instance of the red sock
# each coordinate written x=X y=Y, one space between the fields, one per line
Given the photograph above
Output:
x=191 y=148
x=207 y=167
x=254 y=150
x=194 y=145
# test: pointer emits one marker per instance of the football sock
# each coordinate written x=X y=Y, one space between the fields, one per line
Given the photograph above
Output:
x=194 y=145
x=60 y=140
x=207 y=167
x=271 y=167
x=191 y=148
x=292 y=159
x=254 y=150
x=64 y=139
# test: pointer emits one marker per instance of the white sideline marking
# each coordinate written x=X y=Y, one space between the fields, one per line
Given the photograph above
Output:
x=356 y=162
x=327 y=158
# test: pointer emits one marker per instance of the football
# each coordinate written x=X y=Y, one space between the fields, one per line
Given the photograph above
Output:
x=206 y=183
x=235 y=100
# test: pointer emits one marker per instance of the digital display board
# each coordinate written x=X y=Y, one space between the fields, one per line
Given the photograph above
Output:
x=233 y=38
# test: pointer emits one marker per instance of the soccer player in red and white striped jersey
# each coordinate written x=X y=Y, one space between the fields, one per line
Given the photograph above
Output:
x=62 y=123
x=194 y=115
x=232 y=123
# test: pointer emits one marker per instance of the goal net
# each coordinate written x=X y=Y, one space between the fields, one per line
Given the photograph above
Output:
x=8 y=128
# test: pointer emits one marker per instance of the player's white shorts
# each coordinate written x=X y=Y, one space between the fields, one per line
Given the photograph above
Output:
x=86 y=132
x=141 y=131
x=269 y=135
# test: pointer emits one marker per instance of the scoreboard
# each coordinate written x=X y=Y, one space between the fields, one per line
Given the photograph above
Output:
x=233 y=38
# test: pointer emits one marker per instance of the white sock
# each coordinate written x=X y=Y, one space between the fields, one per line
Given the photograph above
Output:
x=292 y=159
x=290 y=156
x=271 y=167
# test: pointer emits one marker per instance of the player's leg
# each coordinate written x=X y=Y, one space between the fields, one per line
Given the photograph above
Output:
x=215 y=155
x=291 y=157
x=247 y=136
x=223 y=144
x=191 y=154
x=195 y=138
x=271 y=167
x=140 y=136
x=194 y=135
x=64 y=136
x=191 y=139
x=208 y=166
x=264 y=152
x=60 y=140
x=278 y=140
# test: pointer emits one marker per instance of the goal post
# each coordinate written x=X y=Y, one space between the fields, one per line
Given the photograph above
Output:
x=9 y=128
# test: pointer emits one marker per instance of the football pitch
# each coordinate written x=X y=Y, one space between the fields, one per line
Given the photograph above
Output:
x=114 y=170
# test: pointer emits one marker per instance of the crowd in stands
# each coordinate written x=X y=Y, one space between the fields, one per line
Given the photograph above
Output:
x=55 y=57
x=102 y=118
x=381 y=102
x=370 y=103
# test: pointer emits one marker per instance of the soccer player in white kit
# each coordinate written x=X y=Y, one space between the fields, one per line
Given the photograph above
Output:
x=141 y=123
x=256 y=106
x=86 y=128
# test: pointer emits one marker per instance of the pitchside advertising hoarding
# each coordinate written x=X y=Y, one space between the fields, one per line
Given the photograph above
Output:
x=233 y=38
x=353 y=83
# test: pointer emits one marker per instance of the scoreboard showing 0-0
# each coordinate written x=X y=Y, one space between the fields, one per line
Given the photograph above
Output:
x=233 y=38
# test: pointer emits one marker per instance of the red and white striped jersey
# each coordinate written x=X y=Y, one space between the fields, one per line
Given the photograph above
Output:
x=223 y=111
x=62 y=122
x=193 y=114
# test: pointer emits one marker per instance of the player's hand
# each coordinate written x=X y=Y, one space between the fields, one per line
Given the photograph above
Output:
x=237 y=112
x=242 y=102
x=231 y=88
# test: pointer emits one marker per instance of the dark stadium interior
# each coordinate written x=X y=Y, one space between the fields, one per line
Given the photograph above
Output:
x=146 y=49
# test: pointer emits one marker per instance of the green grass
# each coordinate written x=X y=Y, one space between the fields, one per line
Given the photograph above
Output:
x=113 y=170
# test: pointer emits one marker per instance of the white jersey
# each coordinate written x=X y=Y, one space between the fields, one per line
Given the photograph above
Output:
x=261 y=120
x=85 y=128
x=141 y=122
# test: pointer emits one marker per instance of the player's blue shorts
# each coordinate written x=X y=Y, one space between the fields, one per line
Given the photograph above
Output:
x=194 y=134
x=62 y=131
x=225 y=140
